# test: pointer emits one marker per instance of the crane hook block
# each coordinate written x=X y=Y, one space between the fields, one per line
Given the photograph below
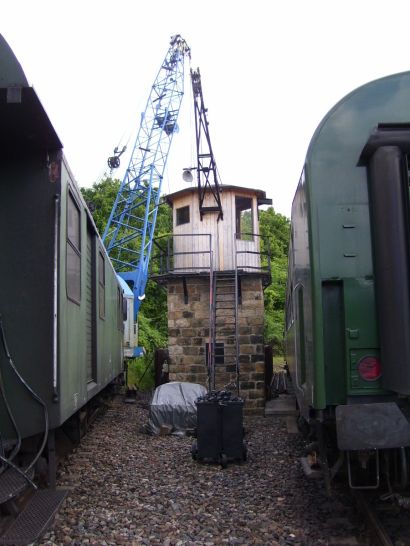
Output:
x=114 y=161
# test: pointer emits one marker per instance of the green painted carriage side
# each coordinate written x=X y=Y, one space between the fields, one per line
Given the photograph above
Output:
x=337 y=271
x=26 y=296
x=27 y=224
x=75 y=389
x=34 y=181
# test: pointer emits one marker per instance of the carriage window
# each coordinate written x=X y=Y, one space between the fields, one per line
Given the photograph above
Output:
x=244 y=218
x=289 y=286
x=101 y=285
x=120 y=310
x=301 y=332
x=183 y=215
x=289 y=304
x=73 y=250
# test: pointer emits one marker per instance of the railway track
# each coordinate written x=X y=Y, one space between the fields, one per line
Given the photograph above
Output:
x=388 y=524
x=125 y=487
x=375 y=526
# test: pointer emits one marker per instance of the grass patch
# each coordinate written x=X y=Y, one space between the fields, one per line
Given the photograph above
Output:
x=278 y=361
x=140 y=374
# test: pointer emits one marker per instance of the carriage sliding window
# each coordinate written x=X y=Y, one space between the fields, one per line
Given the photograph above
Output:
x=121 y=310
x=301 y=335
x=244 y=218
x=101 y=285
x=73 y=250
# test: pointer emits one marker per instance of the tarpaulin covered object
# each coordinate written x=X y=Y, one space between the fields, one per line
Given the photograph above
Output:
x=173 y=405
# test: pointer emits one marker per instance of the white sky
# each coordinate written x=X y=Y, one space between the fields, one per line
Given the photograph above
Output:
x=270 y=72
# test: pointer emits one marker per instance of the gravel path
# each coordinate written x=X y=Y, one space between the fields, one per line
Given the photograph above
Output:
x=133 y=489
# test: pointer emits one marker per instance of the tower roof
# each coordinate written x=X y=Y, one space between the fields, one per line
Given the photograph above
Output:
x=261 y=195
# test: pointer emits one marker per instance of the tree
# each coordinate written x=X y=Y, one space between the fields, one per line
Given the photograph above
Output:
x=275 y=230
x=100 y=199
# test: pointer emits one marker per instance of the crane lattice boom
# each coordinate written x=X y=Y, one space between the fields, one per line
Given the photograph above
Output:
x=130 y=229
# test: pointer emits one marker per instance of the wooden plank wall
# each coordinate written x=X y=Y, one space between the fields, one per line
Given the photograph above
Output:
x=191 y=246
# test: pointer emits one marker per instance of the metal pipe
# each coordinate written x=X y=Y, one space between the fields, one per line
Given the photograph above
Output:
x=236 y=316
x=211 y=339
x=55 y=298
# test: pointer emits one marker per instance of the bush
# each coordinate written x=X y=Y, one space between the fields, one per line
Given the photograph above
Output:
x=140 y=373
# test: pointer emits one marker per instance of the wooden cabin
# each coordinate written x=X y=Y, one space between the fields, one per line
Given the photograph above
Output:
x=238 y=231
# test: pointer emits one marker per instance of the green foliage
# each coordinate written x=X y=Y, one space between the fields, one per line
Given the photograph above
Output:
x=245 y=225
x=275 y=228
x=100 y=199
x=153 y=314
x=140 y=373
x=164 y=220
x=153 y=318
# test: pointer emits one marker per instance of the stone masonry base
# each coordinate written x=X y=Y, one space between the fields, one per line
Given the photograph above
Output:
x=188 y=330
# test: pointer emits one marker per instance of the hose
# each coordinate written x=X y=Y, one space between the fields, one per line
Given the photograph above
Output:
x=16 y=448
x=11 y=417
x=19 y=471
x=34 y=395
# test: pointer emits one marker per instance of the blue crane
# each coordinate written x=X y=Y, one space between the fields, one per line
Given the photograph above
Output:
x=130 y=229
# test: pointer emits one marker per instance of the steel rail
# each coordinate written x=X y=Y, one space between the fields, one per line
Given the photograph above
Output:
x=374 y=524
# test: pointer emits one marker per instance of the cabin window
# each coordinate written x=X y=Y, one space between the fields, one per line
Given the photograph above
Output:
x=73 y=250
x=244 y=218
x=183 y=215
x=101 y=285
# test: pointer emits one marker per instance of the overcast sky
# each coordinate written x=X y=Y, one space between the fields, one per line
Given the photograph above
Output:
x=270 y=72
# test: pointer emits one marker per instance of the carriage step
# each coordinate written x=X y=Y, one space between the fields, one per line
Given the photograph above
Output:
x=12 y=483
x=35 y=518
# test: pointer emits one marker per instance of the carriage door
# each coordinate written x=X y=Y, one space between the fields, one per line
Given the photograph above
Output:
x=386 y=156
x=90 y=306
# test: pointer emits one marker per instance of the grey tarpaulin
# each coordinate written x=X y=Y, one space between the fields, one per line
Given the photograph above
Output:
x=173 y=405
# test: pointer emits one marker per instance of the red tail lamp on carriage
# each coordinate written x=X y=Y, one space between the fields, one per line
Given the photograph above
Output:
x=369 y=368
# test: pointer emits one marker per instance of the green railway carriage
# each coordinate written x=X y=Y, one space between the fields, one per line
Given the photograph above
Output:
x=348 y=295
x=60 y=301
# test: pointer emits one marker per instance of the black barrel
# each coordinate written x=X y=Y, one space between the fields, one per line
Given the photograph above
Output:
x=220 y=428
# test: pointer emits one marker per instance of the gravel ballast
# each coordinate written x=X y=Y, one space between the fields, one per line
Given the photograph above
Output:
x=126 y=487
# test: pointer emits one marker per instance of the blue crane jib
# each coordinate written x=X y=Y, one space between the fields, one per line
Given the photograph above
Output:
x=130 y=229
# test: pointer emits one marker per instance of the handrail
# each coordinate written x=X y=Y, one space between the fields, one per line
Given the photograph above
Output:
x=212 y=327
x=262 y=253
x=237 y=369
x=164 y=260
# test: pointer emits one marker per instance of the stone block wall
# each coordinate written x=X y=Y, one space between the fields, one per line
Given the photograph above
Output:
x=251 y=346
x=188 y=329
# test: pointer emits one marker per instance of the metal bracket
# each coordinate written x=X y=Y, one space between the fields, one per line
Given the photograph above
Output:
x=184 y=285
x=349 y=470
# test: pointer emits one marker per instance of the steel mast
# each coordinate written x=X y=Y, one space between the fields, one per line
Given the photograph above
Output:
x=207 y=174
